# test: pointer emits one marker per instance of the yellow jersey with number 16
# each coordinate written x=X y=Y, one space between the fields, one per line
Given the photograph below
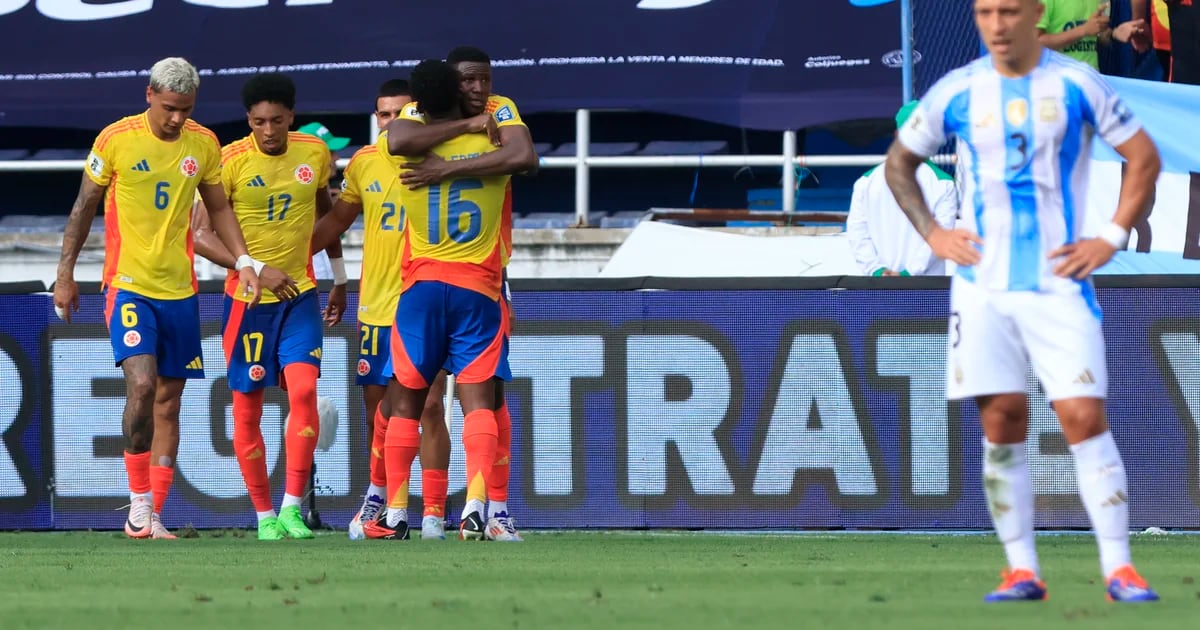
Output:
x=148 y=204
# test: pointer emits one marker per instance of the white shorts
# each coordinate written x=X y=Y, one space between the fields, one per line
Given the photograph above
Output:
x=995 y=335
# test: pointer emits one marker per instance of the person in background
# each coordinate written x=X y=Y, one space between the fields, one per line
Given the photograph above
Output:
x=1075 y=27
x=884 y=241
x=1184 y=20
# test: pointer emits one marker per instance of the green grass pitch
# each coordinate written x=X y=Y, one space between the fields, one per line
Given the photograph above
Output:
x=227 y=580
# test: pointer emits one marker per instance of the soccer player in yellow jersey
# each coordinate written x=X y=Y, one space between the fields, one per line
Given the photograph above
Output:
x=450 y=313
x=277 y=183
x=371 y=186
x=412 y=136
x=147 y=168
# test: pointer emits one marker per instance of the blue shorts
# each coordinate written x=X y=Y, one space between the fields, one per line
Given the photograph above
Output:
x=441 y=326
x=167 y=329
x=374 y=354
x=261 y=341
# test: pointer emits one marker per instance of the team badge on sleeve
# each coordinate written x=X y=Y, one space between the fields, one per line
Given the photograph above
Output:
x=504 y=114
x=95 y=164
x=304 y=174
x=189 y=166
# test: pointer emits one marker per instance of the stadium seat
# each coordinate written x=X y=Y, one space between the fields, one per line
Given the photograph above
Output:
x=29 y=223
x=544 y=221
x=567 y=149
x=807 y=199
x=61 y=154
x=676 y=147
x=623 y=219
x=349 y=151
x=542 y=148
x=7 y=155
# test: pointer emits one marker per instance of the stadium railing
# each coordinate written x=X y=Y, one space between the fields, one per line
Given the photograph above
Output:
x=582 y=162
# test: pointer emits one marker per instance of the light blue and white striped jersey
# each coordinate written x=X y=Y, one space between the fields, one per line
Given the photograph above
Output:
x=1027 y=151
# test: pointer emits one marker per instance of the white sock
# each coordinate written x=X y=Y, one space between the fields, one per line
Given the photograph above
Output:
x=395 y=515
x=1103 y=489
x=1010 y=500
x=133 y=496
x=262 y=516
x=474 y=505
x=496 y=507
x=376 y=491
x=290 y=500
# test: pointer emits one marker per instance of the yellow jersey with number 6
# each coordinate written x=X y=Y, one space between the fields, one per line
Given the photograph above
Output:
x=148 y=204
x=274 y=198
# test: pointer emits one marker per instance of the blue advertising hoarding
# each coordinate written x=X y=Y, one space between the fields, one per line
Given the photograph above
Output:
x=767 y=64
x=706 y=408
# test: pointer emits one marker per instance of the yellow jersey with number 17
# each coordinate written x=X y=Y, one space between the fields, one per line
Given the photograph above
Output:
x=275 y=200
x=453 y=231
x=372 y=180
x=148 y=204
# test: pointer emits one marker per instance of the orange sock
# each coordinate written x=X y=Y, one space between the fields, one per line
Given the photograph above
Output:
x=378 y=444
x=303 y=427
x=250 y=449
x=160 y=485
x=479 y=442
x=434 y=487
x=401 y=446
x=498 y=482
x=137 y=469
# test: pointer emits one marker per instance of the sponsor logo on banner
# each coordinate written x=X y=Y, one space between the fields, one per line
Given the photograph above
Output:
x=304 y=174
x=80 y=11
x=834 y=61
x=189 y=166
x=670 y=4
x=895 y=59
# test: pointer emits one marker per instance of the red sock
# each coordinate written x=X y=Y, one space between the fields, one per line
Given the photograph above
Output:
x=304 y=425
x=498 y=482
x=250 y=449
x=401 y=446
x=378 y=444
x=137 y=469
x=434 y=487
x=160 y=484
x=479 y=442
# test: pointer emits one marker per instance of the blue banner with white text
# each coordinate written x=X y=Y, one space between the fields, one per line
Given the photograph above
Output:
x=767 y=64
x=714 y=409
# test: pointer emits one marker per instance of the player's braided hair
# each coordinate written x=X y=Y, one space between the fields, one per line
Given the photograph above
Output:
x=271 y=87
x=435 y=87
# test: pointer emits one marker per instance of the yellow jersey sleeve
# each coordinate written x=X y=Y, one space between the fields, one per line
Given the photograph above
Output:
x=504 y=110
x=351 y=186
x=410 y=112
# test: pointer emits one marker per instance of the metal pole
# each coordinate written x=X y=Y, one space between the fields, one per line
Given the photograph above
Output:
x=789 y=170
x=582 y=138
x=372 y=129
x=906 y=48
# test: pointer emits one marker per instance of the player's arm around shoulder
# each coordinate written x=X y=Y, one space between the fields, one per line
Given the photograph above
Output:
x=410 y=134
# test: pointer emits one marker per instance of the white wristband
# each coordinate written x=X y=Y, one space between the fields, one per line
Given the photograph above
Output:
x=258 y=266
x=1115 y=235
x=338 y=266
x=242 y=262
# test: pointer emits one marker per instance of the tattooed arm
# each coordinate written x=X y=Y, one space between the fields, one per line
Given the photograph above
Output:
x=79 y=225
x=901 y=174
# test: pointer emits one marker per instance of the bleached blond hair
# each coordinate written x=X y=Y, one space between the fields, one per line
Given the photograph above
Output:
x=174 y=74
